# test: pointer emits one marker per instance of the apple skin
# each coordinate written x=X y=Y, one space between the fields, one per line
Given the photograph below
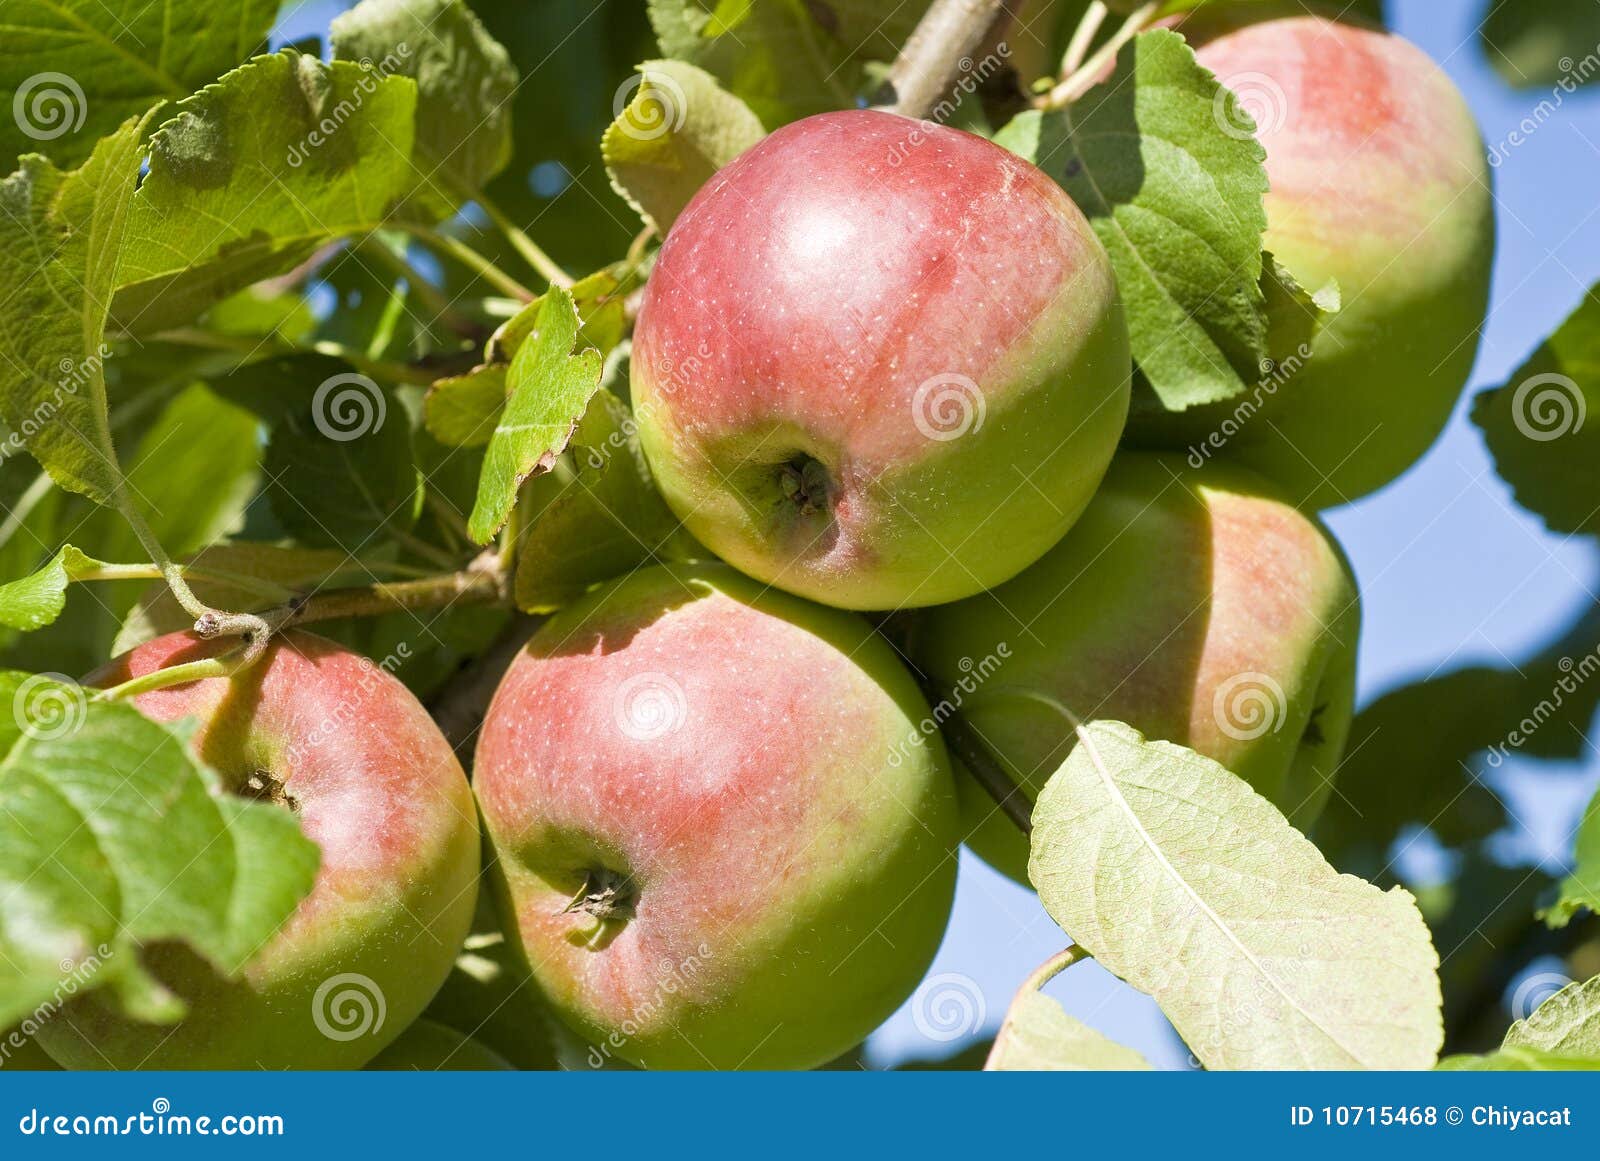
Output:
x=378 y=788
x=847 y=330
x=735 y=763
x=430 y=1047
x=1379 y=181
x=1185 y=603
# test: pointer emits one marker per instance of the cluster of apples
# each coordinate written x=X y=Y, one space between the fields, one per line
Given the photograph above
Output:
x=868 y=378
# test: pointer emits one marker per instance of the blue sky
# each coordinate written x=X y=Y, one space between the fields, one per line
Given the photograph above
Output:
x=1452 y=572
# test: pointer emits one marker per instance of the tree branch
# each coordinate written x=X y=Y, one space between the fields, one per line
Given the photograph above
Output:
x=949 y=31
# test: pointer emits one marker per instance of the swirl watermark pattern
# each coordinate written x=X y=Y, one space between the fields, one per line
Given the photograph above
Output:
x=1250 y=105
x=948 y=1006
x=49 y=706
x=660 y=108
x=1535 y=990
x=1248 y=706
x=347 y=407
x=649 y=706
x=948 y=406
x=348 y=1006
x=1547 y=407
x=49 y=105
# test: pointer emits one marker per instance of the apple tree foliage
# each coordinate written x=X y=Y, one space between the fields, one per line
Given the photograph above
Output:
x=277 y=343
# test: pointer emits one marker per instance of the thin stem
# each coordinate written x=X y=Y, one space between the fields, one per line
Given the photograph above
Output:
x=1086 y=76
x=208 y=622
x=1078 y=47
x=226 y=665
x=974 y=753
x=245 y=344
x=1037 y=979
x=948 y=31
x=470 y=258
x=427 y=551
x=547 y=267
x=636 y=248
x=250 y=584
x=475 y=585
x=431 y=297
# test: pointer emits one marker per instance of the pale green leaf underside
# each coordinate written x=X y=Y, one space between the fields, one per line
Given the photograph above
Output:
x=1183 y=881
x=678 y=130
x=1567 y=1023
x=1039 y=1036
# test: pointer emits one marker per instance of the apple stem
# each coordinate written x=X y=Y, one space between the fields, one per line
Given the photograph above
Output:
x=948 y=31
x=1037 y=979
x=1087 y=75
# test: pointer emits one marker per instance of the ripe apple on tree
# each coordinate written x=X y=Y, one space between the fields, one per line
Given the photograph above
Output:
x=880 y=362
x=1379 y=181
x=717 y=847
x=323 y=732
x=1198 y=606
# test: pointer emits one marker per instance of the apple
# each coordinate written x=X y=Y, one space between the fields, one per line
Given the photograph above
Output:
x=488 y=997
x=1380 y=182
x=321 y=731
x=723 y=839
x=879 y=362
x=430 y=1047
x=1197 y=605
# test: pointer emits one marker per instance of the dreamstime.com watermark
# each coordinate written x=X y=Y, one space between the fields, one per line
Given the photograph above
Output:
x=673 y=977
x=661 y=106
x=1574 y=675
x=74 y=374
x=973 y=675
x=1574 y=75
x=373 y=74
x=75 y=973
x=970 y=76
x=49 y=706
x=342 y=715
x=948 y=1007
x=349 y=1006
x=159 y=1121
x=1275 y=373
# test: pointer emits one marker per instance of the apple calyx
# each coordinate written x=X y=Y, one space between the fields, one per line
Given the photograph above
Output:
x=606 y=894
x=262 y=786
x=805 y=484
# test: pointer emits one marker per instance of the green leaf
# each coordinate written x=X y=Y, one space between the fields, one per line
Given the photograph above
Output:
x=1538 y=425
x=786 y=59
x=60 y=235
x=111 y=836
x=463 y=411
x=73 y=70
x=602 y=299
x=1177 y=200
x=1039 y=1036
x=35 y=601
x=678 y=130
x=550 y=388
x=200 y=436
x=1567 y=1023
x=465 y=81
x=1580 y=890
x=1180 y=879
x=1542 y=45
x=252 y=174
x=608 y=520
x=1520 y=1060
x=341 y=470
